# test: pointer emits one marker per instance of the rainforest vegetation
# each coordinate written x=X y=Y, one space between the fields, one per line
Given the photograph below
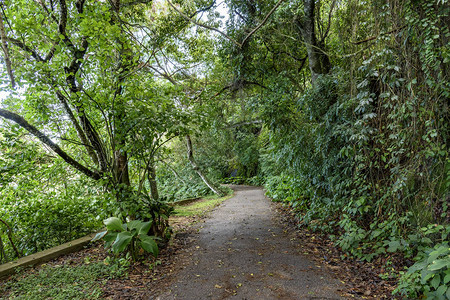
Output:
x=112 y=109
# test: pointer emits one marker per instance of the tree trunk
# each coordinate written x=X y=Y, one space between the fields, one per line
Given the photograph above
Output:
x=319 y=62
x=10 y=237
x=121 y=167
x=152 y=180
x=79 y=130
x=3 y=256
x=197 y=169
x=6 y=52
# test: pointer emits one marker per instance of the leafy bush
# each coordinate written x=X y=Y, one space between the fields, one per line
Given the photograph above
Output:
x=39 y=224
x=130 y=237
x=429 y=276
x=44 y=202
x=346 y=158
x=280 y=188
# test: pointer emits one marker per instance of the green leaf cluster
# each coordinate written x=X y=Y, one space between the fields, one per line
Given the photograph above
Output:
x=129 y=237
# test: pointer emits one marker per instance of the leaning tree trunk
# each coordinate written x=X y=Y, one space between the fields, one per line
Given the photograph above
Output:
x=319 y=62
x=176 y=174
x=197 y=169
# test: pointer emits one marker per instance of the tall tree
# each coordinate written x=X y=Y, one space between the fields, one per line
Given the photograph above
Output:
x=319 y=62
x=81 y=67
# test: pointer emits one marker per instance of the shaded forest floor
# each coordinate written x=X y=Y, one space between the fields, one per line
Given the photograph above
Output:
x=147 y=280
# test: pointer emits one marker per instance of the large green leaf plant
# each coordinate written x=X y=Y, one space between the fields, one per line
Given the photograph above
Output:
x=131 y=237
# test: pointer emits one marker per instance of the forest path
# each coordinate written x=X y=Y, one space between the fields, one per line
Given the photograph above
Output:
x=242 y=252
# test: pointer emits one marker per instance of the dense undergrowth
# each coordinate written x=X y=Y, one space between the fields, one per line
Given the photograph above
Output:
x=363 y=175
x=372 y=167
x=362 y=153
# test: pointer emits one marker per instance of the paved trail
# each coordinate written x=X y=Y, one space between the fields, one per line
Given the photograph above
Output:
x=242 y=253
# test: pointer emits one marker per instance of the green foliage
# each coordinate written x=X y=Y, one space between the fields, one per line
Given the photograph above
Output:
x=146 y=209
x=429 y=276
x=130 y=237
x=175 y=189
x=44 y=203
x=176 y=178
x=63 y=282
x=42 y=223
x=361 y=151
x=255 y=180
x=312 y=153
x=287 y=190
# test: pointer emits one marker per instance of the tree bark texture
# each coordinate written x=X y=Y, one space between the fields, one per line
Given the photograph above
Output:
x=319 y=62
x=152 y=180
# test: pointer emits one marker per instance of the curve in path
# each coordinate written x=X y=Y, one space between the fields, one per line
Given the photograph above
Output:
x=243 y=253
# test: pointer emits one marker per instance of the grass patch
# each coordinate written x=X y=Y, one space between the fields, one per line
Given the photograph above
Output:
x=199 y=207
x=62 y=282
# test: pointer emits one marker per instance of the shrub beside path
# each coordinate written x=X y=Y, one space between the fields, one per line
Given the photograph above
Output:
x=242 y=252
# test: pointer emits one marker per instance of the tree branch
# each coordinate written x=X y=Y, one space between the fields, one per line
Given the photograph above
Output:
x=203 y=9
x=243 y=123
x=197 y=169
x=80 y=132
x=240 y=45
x=376 y=36
x=24 y=47
x=47 y=141
x=262 y=23
x=204 y=25
x=302 y=59
x=327 y=31
x=47 y=11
